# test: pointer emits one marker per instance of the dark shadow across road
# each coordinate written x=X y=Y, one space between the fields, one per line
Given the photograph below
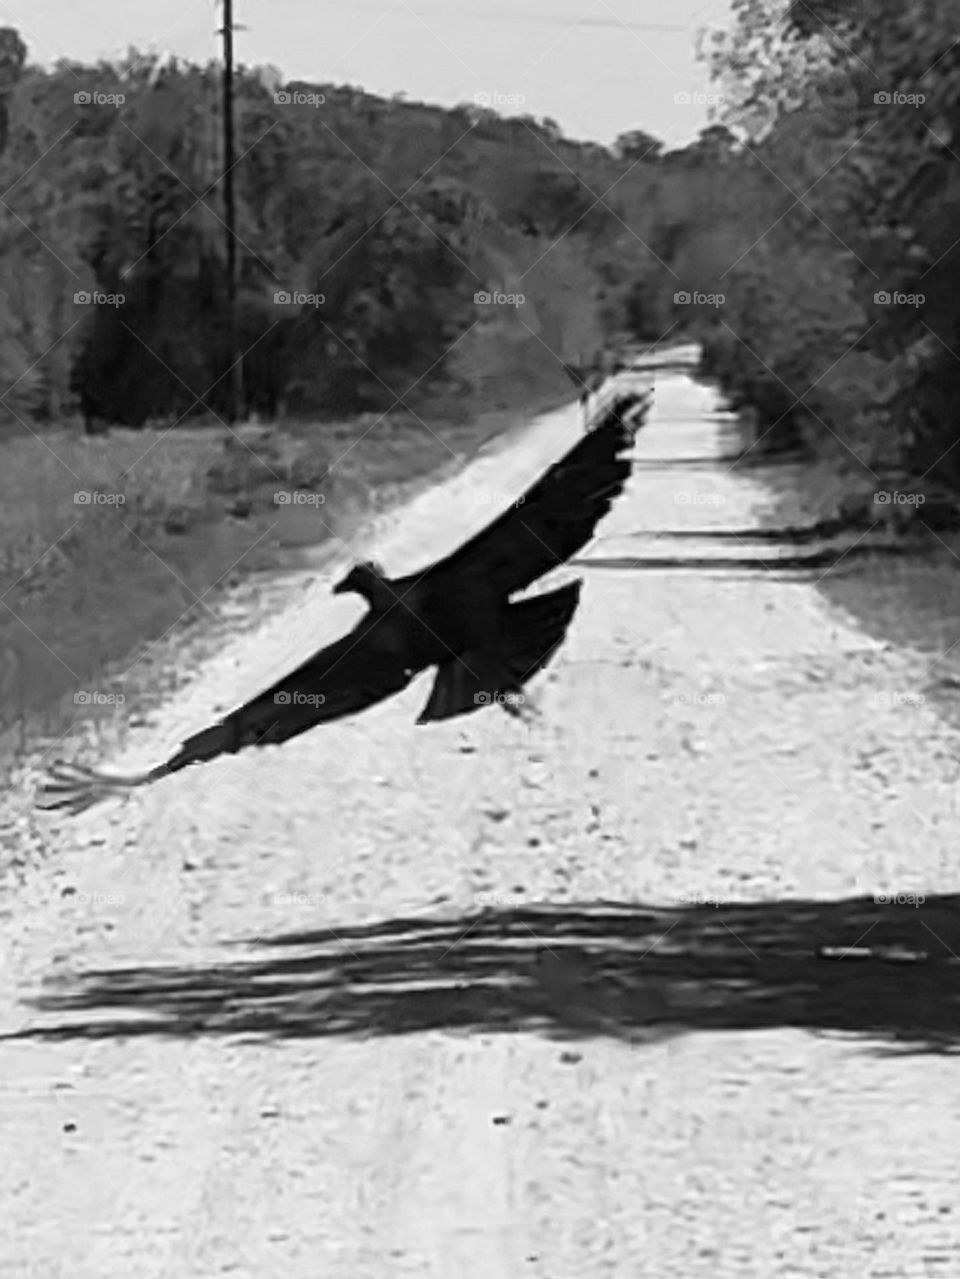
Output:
x=634 y=972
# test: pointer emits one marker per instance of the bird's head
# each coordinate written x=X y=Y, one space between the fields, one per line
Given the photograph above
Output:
x=361 y=579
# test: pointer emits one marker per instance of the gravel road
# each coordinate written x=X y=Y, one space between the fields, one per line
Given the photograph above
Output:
x=608 y=995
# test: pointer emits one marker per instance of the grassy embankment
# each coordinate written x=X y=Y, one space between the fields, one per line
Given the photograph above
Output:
x=86 y=584
x=909 y=601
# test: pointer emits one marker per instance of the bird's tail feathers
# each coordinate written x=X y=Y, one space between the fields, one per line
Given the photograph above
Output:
x=535 y=629
x=531 y=635
x=463 y=684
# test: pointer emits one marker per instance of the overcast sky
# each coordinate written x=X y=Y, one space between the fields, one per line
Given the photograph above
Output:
x=598 y=68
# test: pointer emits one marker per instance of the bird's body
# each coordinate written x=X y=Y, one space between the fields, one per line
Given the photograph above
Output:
x=451 y=613
x=458 y=615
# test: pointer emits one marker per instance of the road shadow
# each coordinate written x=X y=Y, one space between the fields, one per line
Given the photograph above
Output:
x=633 y=972
x=813 y=560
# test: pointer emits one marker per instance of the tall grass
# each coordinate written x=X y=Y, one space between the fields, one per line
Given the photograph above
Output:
x=87 y=586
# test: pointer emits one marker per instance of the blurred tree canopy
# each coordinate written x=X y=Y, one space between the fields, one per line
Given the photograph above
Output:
x=367 y=228
x=807 y=237
x=842 y=304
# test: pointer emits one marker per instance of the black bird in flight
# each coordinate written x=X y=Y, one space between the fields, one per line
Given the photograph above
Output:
x=456 y=615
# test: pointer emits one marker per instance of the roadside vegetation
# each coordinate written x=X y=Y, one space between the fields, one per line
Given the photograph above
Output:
x=832 y=235
x=839 y=269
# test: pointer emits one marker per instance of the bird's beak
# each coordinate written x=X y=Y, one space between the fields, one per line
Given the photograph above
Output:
x=340 y=588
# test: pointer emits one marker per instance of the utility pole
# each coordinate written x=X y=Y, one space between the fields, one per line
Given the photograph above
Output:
x=234 y=355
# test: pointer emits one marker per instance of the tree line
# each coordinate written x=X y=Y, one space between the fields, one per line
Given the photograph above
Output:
x=386 y=248
x=834 y=236
x=390 y=249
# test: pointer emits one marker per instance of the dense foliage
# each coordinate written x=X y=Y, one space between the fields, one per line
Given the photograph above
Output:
x=380 y=220
x=841 y=299
x=831 y=184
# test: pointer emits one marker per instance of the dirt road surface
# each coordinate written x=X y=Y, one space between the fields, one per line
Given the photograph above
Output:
x=605 y=996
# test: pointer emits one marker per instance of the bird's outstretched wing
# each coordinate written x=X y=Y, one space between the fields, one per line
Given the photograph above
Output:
x=360 y=669
x=556 y=517
x=347 y=676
